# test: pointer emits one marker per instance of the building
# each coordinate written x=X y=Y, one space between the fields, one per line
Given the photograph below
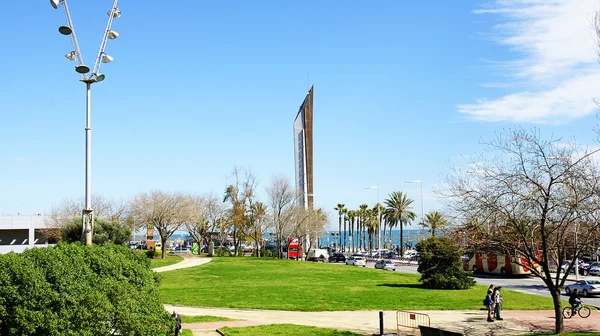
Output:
x=303 y=151
x=18 y=233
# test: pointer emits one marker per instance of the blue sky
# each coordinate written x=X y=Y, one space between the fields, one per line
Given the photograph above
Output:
x=402 y=89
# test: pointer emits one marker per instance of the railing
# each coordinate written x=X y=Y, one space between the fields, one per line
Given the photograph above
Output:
x=411 y=320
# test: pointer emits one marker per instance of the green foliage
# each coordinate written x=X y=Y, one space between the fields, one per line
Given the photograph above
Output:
x=222 y=252
x=72 y=289
x=105 y=232
x=308 y=286
x=441 y=266
x=285 y=329
x=151 y=253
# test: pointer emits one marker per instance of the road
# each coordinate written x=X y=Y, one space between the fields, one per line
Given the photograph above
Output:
x=527 y=284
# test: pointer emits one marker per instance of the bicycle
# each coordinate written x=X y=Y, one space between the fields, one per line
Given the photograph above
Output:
x=583 y=311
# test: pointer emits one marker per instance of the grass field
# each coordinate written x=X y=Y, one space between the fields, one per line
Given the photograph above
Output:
x=169 y=260
x=203 y=318
x=284 y=330
x=305 y=286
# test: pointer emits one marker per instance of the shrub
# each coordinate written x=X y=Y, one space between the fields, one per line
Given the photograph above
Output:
x=222 y=252
x=151 y=253
x=72 y=289
x=105 y=232
x=441 y=265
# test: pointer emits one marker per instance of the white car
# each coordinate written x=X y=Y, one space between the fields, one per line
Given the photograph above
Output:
x=385 y=265
x=356 y=261
x=595 y=270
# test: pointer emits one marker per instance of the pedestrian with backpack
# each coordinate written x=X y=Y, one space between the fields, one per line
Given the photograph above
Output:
x=489 y=303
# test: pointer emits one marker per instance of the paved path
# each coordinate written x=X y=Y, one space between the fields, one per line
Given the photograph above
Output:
x=367 y=323
x=188 y=261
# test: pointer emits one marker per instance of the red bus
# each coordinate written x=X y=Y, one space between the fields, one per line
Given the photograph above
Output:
x=294 y=249
x=494 y=263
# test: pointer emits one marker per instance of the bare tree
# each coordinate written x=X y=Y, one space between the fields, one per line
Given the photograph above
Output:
x=164 y=211
x=309 y=224
x=208 y=213
x=526 y=201
x=257 y=223
x=283 y=200
x=69 y=209
x=239 y=193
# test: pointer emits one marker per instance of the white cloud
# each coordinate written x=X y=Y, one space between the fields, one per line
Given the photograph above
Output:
x=557 y=69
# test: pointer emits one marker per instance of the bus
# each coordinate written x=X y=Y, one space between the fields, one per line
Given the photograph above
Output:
x=294 y=249
x=493 y=263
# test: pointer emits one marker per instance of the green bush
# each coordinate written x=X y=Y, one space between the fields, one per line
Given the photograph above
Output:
x=72 y=289
x=441 y=265
x=105 y=232
x=151 y=253
x=222 y=252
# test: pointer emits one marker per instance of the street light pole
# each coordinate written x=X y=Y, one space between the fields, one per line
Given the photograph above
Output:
x=88 y=78
x=422 y=205
x=378 y=220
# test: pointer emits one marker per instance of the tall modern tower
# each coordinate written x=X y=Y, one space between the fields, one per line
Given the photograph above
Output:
x=303 y=150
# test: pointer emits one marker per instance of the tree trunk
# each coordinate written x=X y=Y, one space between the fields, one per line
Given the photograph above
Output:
x=339 y=242
x=163 y=242
x=391 y=237
x=344 y=246
x=401 y=239
x=559 y=325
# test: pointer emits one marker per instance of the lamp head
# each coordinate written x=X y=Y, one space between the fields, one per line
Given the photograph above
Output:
x=100 y=77
x=82 y=69
x=71 y=56
x=65 y=30
x=55 y=3
x=106 y=58
x=116 y=13
x=112 y=35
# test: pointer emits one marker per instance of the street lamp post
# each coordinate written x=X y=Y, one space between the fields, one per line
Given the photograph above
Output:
x=88 y=78
x=422 y=206
x=378 y=219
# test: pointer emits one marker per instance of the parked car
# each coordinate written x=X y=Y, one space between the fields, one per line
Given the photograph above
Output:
x=337 y=257
x=181 y=250
x=357 y=261
x=385 y=265
x=594 y=270
x=585 y=287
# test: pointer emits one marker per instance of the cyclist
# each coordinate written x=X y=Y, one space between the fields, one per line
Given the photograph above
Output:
x=575 y=301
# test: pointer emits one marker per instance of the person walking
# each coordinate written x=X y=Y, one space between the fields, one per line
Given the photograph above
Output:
x=497 y=296
x=177 y=323
x=489 y=303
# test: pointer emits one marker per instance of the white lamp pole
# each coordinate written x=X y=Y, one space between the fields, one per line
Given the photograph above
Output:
x=88 y=78
x=422 y=206
x=378 y=220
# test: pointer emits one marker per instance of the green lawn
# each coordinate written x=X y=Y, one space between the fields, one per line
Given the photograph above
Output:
x=306 y=286
x=169 y=260
x=203 y=318
x=284 y=330
x=186 y=332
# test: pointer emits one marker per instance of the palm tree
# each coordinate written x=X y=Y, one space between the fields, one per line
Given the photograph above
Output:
x=391 y=220
x=351 y=218
x=378 y=210
x=363 y=219
x=399 y=207
x=340 y=209
x=345 y=220
x=435 y=220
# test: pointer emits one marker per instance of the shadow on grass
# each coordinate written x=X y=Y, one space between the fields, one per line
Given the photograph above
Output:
x=402 y=285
